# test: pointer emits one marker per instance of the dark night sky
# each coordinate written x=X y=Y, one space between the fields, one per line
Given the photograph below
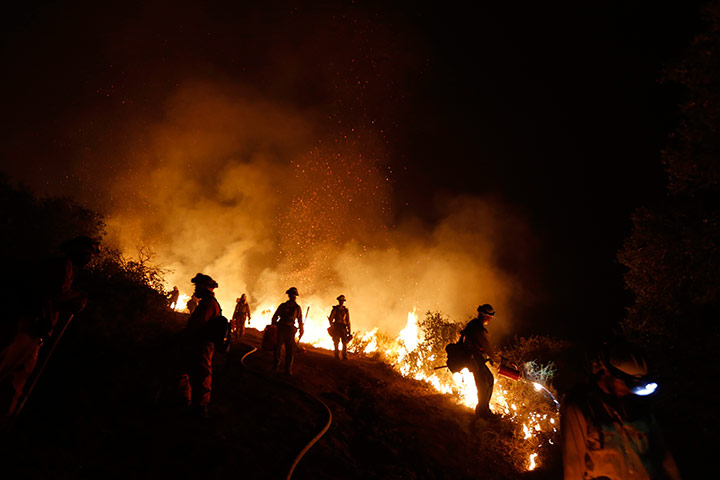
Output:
x=554 y=108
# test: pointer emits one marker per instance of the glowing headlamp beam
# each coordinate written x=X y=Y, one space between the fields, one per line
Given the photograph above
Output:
x=645 y=389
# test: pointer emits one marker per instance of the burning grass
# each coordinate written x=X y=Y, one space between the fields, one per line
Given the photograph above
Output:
x=528 y=405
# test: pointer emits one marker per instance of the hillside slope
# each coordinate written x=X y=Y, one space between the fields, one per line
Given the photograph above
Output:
x=110 y=413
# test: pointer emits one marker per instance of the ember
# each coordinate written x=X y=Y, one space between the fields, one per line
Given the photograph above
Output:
x=534 y=418
x=523 y=402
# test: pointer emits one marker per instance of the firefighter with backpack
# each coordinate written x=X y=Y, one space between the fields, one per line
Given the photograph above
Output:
x=475 y=339
x=340 y=326
x=240 y=316
x=284 y=319
x=198 y=344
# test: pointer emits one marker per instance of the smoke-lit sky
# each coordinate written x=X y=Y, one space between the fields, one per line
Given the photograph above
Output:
x=406 y=154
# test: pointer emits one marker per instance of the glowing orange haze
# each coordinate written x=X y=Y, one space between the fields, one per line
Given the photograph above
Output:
x=261 y=197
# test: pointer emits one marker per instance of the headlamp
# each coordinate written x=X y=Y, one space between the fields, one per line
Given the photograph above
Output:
x=639 y=385
x=645 y=389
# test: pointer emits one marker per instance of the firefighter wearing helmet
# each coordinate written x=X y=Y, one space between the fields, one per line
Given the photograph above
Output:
x=607 y=428
x=284 y=318
x=198 y=347
x=240 y=316
x=476 y=340
x=340 y=326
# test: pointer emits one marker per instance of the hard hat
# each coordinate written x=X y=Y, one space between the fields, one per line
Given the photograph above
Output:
x=487 y=309
x=292 y=291
x=625 y=362
x=202 y=280
x=341 y=297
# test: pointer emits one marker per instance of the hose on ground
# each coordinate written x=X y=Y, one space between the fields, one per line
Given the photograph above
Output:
x=317 y=437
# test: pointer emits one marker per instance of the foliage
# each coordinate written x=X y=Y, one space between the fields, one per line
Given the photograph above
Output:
x=534 y=348
x=372 y=344
x=125 y=297
x=691 y=157
x=438 y=331
x=672 y=257
x=673 y=269
x=672 y=254
x=32 y=227
x=534 y=410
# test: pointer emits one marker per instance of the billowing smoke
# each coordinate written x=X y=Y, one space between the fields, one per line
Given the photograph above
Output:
x=263 y=197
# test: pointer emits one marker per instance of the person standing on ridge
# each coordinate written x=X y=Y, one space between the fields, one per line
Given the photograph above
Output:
x=192 y=303
x=340 y=326
x=476 y=339
x=240 y=316
x=173 y=297
x=198 y=347
x=284 y=317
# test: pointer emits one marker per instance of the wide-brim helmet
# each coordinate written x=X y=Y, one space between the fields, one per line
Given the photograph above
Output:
x=204 y=281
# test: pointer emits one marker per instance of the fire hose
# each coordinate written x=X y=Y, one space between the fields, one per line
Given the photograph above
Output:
x=319 y=435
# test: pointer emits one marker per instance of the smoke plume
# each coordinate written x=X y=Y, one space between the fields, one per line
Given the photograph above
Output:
x=263 y=196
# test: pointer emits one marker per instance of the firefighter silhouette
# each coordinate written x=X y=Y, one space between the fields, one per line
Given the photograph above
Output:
x=240 y=316
x=284 y=318
x=475 y=338
x=198 y=347
x=192 y=303
x=340 y=326
x=173 y=297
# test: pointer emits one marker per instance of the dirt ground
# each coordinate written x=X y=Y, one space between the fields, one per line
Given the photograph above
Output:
x=112 y=413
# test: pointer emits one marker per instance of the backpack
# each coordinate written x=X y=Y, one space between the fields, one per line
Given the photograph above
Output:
x=269 y=339
x=458 y=357
x=218 y=330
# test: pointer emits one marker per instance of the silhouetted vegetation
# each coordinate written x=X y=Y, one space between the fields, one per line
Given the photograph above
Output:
x=672 y=254
x=124 y=294
x=32 y=226
x=102 y=358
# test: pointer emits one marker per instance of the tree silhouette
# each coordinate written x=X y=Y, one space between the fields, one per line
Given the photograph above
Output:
x=673 y=264
x=672 y=254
